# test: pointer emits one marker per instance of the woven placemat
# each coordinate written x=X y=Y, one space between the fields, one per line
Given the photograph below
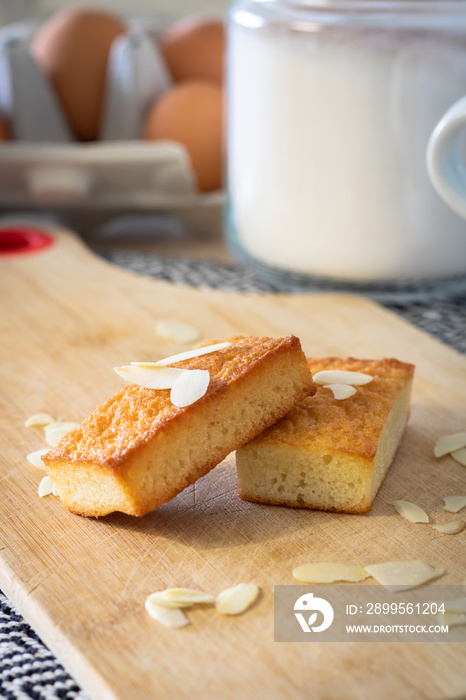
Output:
x=27 y=668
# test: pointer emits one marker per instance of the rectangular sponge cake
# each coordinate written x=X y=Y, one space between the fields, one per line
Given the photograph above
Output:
x=331 y=454
x=137 y=450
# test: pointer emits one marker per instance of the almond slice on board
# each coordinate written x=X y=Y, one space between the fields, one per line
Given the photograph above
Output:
x=54 y=435
x=411 y=511
x=341 y=376
x=177 y=330
x=189 y=387
x=455 y=605
x=449 y=443
x=45 y=487
x=328 y=573
x=402 y=575
x=452 y=618
x=453 y=504
x=150 y=375
x=169 y=617
x=341 y=391
x=56 y=423
x=235 y=600
x=451 y=528
x=181 y=597
x=459 y=456
x=188 y=355
x=35 y=458
x=38 y=419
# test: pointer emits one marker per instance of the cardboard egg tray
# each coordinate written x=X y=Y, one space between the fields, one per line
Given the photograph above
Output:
x=44 y=166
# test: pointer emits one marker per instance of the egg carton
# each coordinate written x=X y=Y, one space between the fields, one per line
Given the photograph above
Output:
x=44 y=166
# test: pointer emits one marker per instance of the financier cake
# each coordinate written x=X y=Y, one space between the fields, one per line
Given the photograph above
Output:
x=326 y=453
x=138 y=450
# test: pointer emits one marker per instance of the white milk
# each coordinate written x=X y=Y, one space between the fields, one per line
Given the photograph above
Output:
x=327 y=139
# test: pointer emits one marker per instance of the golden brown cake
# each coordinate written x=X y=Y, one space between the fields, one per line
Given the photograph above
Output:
x=138 y=450
x=331 y=454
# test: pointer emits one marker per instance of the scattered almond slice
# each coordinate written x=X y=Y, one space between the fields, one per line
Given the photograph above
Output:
x=45 y=486
x=170 y=617
x=452 y=618
x=188 y=355
x=411 y=511
x=402 y=575
x=54 y=435
x=150 y=375
x=38 y=419
x=70 y=424
x=451 y=528
x=54 y=490
x=340 y=376
x=35 y=458
x=453 y=504
x=235 y=600
x=328 y=573
x=181 y=597
x=177 y=330
x=189 y=387
x=449 y=443
x=341 y=391
x=457 y=605
x=459 y=456
x=56 y=423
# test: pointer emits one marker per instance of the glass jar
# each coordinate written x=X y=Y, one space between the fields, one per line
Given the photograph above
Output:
x=331 y=105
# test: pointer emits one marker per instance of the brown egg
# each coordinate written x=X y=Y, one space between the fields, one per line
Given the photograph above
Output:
x=194 y=50
x=192 y=114
x=72 y=49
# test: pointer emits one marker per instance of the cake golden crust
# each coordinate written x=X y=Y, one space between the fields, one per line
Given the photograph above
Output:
x=137 y=450
x=337 y=452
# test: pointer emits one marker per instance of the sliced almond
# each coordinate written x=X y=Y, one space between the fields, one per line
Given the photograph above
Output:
x=54 y=435
x=35 y=458
x=53 y=424
x=177 y=330
x=449 y=443
x=452 y=618
x=38 y=419
x=170 y=617
x=54 y=490
x=453 y=504
x=189 y=387
x=455 y=605
x=459 y=456
x=340 y=376
x=451 y=528
x=341 y=391
x=402 y=575
x=45 y=486
x=411 y=511
x=328 y=573
x=150 y=375
x=188 y=355
x=235 y=600
x=181 y=597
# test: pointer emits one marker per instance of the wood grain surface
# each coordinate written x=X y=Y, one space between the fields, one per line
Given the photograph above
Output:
x=66 y=319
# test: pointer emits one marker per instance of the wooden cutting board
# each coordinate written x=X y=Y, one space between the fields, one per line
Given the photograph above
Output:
x=66 y=319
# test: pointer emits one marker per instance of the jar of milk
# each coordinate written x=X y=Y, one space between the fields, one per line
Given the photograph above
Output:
x=331 y=104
